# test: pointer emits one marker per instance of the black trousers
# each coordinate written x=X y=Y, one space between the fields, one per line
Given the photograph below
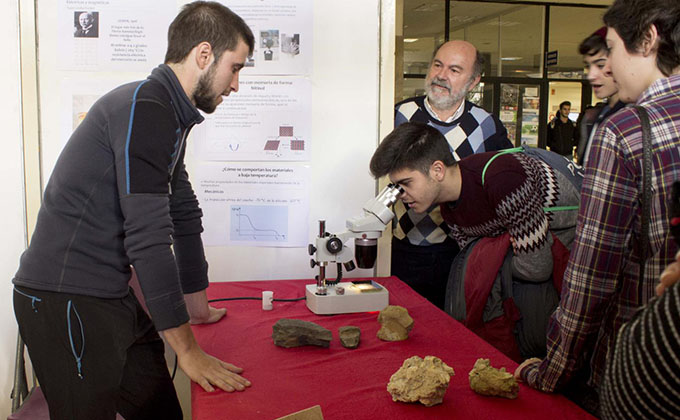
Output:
x=424 y=268
x=582 y=394
x=94 y=357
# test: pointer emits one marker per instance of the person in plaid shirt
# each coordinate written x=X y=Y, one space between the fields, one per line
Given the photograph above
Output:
x=602 y=288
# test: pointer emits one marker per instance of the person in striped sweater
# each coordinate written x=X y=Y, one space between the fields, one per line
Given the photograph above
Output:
x=517 y=196
x=642 y=380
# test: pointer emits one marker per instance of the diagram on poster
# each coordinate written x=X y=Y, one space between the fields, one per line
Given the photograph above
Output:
x=268 y=119
x=285 y=141
x=253 y=204
x=283 y=35
x=259 y=223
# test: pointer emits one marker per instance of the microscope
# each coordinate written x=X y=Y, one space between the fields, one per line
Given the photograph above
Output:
x=331 y=296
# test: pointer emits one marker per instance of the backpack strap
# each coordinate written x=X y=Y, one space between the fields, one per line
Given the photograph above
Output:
x=646 y=196
x=500 y=153
x=519 y=150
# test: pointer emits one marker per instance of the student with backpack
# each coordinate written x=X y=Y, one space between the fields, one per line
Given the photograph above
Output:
x=512 y=196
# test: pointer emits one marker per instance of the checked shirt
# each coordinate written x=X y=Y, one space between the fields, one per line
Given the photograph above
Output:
x=602 y=289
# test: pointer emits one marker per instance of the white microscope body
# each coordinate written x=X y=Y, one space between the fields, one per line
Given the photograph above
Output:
x=334 y=296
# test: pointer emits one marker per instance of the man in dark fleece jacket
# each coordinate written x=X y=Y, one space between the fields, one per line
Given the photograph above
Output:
x=119 y=197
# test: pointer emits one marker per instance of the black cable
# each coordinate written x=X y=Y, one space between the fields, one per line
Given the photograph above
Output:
x=255 y=298
x=174 y=370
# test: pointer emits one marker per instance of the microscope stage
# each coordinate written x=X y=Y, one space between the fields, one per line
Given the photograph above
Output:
x=360 y=296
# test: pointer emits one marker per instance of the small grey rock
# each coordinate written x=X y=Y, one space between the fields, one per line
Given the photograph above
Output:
x=349 y=336
x=295 y=333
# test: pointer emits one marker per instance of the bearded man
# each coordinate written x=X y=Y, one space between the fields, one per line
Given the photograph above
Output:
x=422 y=248
x=120 y=198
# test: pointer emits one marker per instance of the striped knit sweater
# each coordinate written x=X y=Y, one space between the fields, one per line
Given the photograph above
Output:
x=516 y=189
x=642 y=380
x=475 y=131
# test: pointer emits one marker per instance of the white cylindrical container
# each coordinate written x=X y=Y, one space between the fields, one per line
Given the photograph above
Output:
x=267 y=300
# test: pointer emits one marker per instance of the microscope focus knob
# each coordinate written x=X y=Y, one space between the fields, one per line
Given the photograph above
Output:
x=334 y=245
x=311 y=249
x=312 y=263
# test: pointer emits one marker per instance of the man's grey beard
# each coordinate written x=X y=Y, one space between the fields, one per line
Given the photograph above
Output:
x=445 y=102
x=203 y=96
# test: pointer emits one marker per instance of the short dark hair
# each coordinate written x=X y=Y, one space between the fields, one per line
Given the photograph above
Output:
x=477 y=67
x=595 y=43
x=632 y=19
x=206 y=21
x=411 y=145
x=565 y=103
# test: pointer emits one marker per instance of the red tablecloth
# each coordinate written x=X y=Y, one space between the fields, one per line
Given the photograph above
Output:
x=350 y=384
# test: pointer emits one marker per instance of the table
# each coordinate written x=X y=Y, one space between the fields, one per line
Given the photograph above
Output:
x=350 y=384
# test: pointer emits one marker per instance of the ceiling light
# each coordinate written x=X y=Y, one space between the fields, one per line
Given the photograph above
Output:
x=511 y=58
x=429 y=7
x=461 y=19
x=504 y=23
x=410 y=39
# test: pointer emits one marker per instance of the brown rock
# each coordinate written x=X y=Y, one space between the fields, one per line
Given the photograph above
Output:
x=349 y=336
x=421 y=380
x=396 y=323
x=295 y=333
x=486 y=380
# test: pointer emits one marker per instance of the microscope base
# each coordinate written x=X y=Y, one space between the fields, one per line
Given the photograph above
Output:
x=360 y=296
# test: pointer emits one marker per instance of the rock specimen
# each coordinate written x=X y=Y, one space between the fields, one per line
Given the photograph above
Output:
x=421 y=380
x=396 y=323
x=349 y=336
x=295 y=333
x=486 y=380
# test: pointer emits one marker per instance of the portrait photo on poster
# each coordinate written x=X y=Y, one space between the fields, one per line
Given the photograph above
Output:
x=85 y=24
x=269 y=42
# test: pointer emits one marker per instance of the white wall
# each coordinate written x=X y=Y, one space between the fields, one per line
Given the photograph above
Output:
x=345 y=83
x=11 y=187
x=345 y=98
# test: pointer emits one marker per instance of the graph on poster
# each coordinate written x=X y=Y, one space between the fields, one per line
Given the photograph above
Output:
x=252 y=223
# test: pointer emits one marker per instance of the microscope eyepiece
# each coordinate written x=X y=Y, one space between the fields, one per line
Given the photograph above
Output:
x=389 y=195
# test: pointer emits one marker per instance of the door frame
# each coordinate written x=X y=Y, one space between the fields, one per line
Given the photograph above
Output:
x=544 y=84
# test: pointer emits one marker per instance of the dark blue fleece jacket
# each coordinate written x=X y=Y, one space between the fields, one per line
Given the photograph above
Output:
x=119 y=196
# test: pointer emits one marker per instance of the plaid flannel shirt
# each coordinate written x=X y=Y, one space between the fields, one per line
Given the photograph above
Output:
x=602 y=289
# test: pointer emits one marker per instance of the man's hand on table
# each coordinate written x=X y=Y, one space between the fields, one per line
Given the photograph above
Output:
x=200 y=312
x=210 y=372
x=213 y=315
x=202 y=368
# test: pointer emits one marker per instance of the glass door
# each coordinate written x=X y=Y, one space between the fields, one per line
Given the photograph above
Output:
x=561 y=91
x=482 y=96
x=519 y=112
